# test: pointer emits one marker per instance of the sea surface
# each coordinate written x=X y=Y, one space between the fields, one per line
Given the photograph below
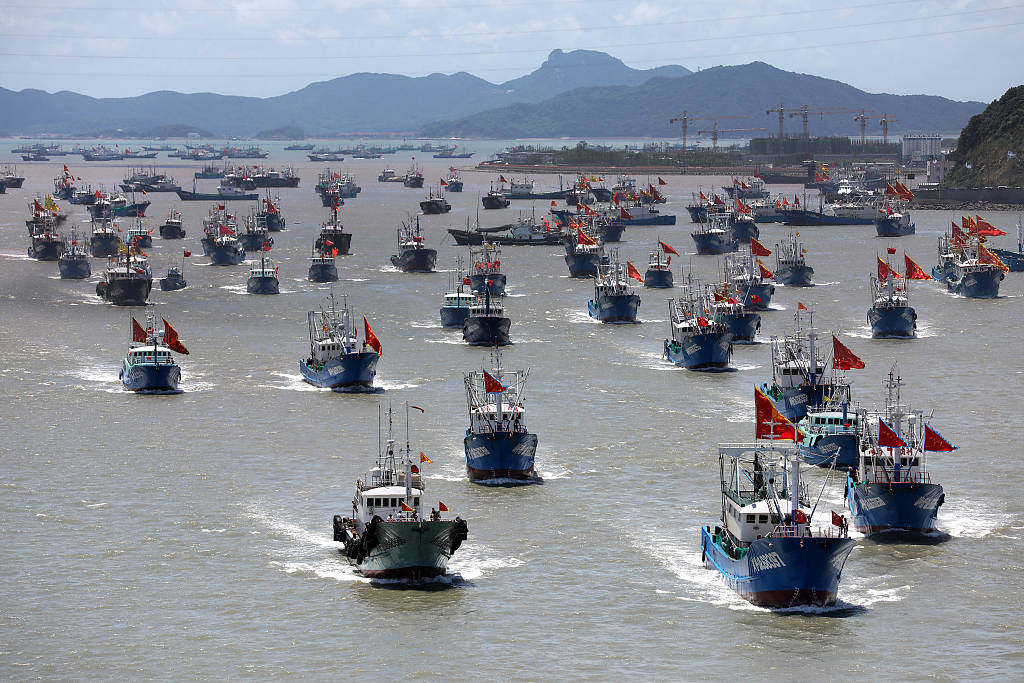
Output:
x=189 y=536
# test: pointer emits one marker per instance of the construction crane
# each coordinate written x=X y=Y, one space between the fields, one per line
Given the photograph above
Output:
x=715 y=131
x=885 y=121
x=684 y=121
x=804 y=111
x=781 y=110
x=863 y=122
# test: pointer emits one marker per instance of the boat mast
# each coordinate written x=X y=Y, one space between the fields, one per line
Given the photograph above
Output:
x=408 y=460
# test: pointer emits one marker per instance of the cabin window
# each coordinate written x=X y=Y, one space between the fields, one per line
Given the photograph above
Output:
x=394 y=502
x=751 y=519
x=775 y=518
x=763 y=519
x=416 y=501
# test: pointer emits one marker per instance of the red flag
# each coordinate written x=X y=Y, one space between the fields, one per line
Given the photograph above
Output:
x=986 y=228
x=466 y=281
x=765 y=273
x=187 y=253
x=328 y=243
x=584 y=238
x=224 y=230
x=800 y=306
x=443 y=183
x=171 y=338
x=405 y=507
x=958 y=235
x=266 y=246
x=415 y=469
x=554 y=203
x=703 y=197
x=837 y=519
x=758 y=249
x=419 y=409
x=769 y=423
x=796 y=201
x=843 y=358
x=885 y=272
x=371 y=338
x=891 y=250
x=914 y=271
x=502 y=179
x=890 y=190
x=661 y=182
x=755 y=299
x=889 y=438
x=718 y=200
x=138 y=331
x=785 y=201
x=491 y=385
x=986 y=256
x=424 y=458
x=625 y=214
x=441 y=507
x=334 y=253
x=933 y=441
x=632 y=272
x=667 y=249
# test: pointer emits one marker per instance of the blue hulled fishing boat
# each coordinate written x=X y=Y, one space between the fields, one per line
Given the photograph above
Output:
x=749 y=279
x=105 y=238
x=659 y=271
x=583 y=254
x=322 y=267
x=486 y=324
x=149 y=365
x=413 y=256
x=139 y=236
x=697 y=342
x=614 y=300
x=46 y=242
x=333 y=235
x=742 y=224
x=715 y=237
x=175 y=279
x=225 y=249
x=263 y=277
x=800 y=377
x=893 y=220
x=891 y=315
x=831 y=435
x=171 y=228
x=499 y=449
x=485 y=273
x=387 y=536
x=742 y=323
x=751 y=188
x=269 y=215
x=335 y=361
x=127 y=280
x=791 y=269
x=891 y=489
x=766 y=549
x=1014 y=260
x=73 y=263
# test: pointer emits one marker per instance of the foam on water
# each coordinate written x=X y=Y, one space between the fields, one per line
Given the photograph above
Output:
x=16 y=257
x=394 y=385
x=966 y=519
x=430 y=324
x=294 y=383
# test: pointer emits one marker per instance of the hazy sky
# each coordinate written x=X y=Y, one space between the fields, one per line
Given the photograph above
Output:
x=955 y=48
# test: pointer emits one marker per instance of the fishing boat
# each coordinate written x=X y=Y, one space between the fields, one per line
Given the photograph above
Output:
x=322 y=267
x=715 y=237
x=748 y=277
x=523 y=232
x=139 y=236
x=1014 y=260
x=524 y=189
x=791 y=267
x=223 y=193
x=211 y=173
x=893 y=220
x=831 y=435
x=127 y=280
x=766 y=548
x=172 y=227
x=583 y=254
x=615 y=301
x=741 y=322
x=967 y=266
x=891 y=491
x=413 y=177
x=458 y=298
x=495 y=199
x=333 y=236
x=10 y=178
x=486 y=324
x=499 y=449
x=751 y=188
x=73 y=263
x=801 y=379
x=326 y=155
x=45 y=242
x=697 y=342
x=891 y=315
x=175 y=278
x=263 y=277
x=387 y=536
x=269 y=215
x=149 y=365
x=224 y=248
x=435 y=203
x=336 y=360
x=485 y=273
x=105 y=238
x=297 y=147
x=413 y=256
x=453 y=181
x=388 y=175
x=659 y=272
x=254 y=235
x=264 y=177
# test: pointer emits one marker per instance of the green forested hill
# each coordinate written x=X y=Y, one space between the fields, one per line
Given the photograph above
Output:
x=990 y=151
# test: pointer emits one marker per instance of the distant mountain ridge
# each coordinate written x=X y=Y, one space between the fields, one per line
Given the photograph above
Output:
x=990 y=151
x=747 y=90
x=360 y=102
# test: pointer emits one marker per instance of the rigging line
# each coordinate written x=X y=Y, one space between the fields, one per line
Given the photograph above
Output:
x=477 y=53
x=490 y=34
x=515 y=69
